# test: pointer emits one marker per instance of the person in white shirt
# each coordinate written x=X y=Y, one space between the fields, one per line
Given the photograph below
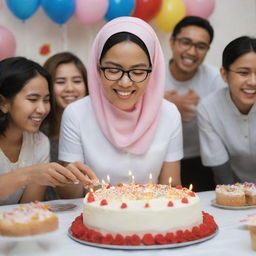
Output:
x=24 y=151
x=124 y=124
x=227 y=118
x=187 y=82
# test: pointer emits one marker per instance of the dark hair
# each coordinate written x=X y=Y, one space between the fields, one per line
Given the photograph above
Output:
x=51 y=66
x=121 y=37
x=15 y=73
x=193 y=21
x=237 y=48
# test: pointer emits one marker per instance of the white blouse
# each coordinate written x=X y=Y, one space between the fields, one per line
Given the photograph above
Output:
x=228 y=135
x=81 y=139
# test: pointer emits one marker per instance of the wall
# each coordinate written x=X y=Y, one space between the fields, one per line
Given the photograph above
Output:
x=231 y=18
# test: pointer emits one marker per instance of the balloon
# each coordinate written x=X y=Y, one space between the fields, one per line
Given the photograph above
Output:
x=59 y=11
x=147 y=9
x=23 y=9
x=172 y=11
x=117 y=8
x=201 y=8
x=7 y=43
x=91 y=11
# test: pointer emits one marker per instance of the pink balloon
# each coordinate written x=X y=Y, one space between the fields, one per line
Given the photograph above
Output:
x=90 y=11
x=201 y=8
x=7 y=43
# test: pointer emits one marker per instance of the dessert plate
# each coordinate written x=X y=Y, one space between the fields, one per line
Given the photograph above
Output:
x=213 y=202
x=142 y=247
x=61 y=207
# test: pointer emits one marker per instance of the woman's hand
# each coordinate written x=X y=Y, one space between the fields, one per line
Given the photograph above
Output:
x=82 y=172
x=51 y=174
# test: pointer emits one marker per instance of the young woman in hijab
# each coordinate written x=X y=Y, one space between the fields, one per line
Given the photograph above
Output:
x=125 y=124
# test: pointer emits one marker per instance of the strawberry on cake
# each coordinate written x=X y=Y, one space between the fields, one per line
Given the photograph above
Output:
x=28 y=220
x=134 y=214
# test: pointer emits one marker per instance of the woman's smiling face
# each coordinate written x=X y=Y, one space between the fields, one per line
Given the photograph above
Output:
x=125 y=93
x=241 y=78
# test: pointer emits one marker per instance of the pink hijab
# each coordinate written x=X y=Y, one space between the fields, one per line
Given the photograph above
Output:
x=130 y=131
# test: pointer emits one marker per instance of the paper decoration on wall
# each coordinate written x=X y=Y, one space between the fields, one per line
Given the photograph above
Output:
x=45 y=49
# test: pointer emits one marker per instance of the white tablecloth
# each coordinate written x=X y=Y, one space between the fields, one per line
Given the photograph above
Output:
x=232 y=238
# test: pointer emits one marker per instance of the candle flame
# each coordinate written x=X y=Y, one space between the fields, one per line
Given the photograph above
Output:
x=91 y=190
x=103 y=182
x=130 y=173
x=150 y=176
x=190 y=187
x=133 y=179
x=170 y=181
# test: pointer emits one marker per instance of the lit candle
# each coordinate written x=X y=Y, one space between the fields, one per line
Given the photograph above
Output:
x=108 y=179
x=91 y=190
x=130 y=176
x=150 y=178
x=190 y=187
x=133 y=179
x=103 y=184
x=170 y=181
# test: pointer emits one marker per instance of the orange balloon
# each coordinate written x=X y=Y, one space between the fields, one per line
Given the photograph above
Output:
x=171 y=12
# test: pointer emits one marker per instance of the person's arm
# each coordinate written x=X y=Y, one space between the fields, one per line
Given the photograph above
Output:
x=170 y=169
x=11 y=182
x=49 y=174
x=223 y=174
x=85 y=176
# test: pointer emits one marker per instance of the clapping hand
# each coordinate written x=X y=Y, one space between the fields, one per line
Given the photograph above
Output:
x=186 y=103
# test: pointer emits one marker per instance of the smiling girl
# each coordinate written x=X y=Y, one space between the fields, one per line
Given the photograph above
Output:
x=124 y=124
x=227 y=118
x=24 y=151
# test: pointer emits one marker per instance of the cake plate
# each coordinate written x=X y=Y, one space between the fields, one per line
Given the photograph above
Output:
x=213 y=202
x=142 y=247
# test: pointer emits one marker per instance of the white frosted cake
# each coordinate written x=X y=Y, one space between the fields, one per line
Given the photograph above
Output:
x=134 y=214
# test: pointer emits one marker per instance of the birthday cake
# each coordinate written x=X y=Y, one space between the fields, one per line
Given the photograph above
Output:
x=28 y=220
x=134 y=214
x=239 y=194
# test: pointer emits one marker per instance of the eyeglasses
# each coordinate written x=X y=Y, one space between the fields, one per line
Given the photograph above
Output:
x=186 y=43
x=136 y=75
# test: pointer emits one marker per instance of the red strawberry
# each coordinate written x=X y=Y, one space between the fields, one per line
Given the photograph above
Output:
x=90 y=197
x=184 y=200
x=123 y=206
x=148 y=239
x=170 y=204
x=103 y=202
x=146 y=205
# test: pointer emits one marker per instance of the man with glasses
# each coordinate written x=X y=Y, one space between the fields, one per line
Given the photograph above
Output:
x=188 y=81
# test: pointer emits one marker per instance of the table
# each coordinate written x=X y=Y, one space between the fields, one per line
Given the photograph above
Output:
x=232 y=239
